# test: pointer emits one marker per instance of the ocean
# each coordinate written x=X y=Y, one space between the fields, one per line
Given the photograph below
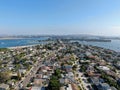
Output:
x=20 y=42
x=113 y=45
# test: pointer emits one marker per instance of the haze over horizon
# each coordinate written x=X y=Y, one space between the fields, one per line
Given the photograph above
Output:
x=60 y=17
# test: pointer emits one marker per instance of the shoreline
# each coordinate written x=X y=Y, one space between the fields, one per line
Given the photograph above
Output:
x=18 y=47
x=10 y=38
x=25 y=46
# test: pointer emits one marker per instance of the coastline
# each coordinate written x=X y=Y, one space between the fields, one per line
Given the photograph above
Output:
x=26 y=46
x=9 y=38
x=18 y=47
x=114 y=45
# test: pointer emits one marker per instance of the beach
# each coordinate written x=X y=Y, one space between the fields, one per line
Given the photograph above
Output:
x=9 y=38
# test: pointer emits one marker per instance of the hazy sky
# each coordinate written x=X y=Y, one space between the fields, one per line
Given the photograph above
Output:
x=100 y=17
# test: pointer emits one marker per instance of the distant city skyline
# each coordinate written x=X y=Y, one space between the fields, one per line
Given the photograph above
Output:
x=60 y=17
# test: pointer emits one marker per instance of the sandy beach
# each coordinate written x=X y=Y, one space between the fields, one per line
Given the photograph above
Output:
x=18 y=47
x=9 y=38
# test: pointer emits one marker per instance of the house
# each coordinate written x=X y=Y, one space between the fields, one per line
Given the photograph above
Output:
x=4 y=87
x=104 y=68
x=68 y=68
x=37 y=88
x=118 y=64
x=70 y=74
x=38 y=82
x=92 y=73
x=113 y=88
x=22 y=71
x=67 y=87
x=45 y=77
x=88 y=53
x=63 y=81
x=39 y=75
x=84 y=61
x=118 y=81
x=95 y=80
x=90 y=68
x=10 y=67
x=11 y=83
x=103 y=86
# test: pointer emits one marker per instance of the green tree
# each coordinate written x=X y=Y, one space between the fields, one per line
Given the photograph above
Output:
x=57 y=73
x=54 y=83
x=19 y=75
x=4 y=76
x=74 y=67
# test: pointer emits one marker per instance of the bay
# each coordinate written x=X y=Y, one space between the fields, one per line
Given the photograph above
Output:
x=113 y=45
x=20 y=42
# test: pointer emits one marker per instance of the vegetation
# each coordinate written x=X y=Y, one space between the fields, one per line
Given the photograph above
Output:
x=29 y=85
x=57 y=73
x=4 y=76
x=110 y=81
x=54 y=83
x=74 y=67
x=19 y=76
x=0 y=64
x=83 y=68
x=69 y=63
x=3 y=49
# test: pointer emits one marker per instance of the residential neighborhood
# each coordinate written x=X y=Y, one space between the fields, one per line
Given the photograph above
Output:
x=59 y=65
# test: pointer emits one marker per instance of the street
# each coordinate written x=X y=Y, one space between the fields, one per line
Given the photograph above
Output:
x=24 y=82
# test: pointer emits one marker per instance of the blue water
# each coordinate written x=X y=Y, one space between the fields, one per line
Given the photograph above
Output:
x=113 y=45
x=20 y=42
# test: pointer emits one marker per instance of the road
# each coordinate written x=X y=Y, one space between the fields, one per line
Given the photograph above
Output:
x=81 y=76
x=25 y=81
x=31 y=74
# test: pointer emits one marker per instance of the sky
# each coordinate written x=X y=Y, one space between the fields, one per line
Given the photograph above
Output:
x=60 y=17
